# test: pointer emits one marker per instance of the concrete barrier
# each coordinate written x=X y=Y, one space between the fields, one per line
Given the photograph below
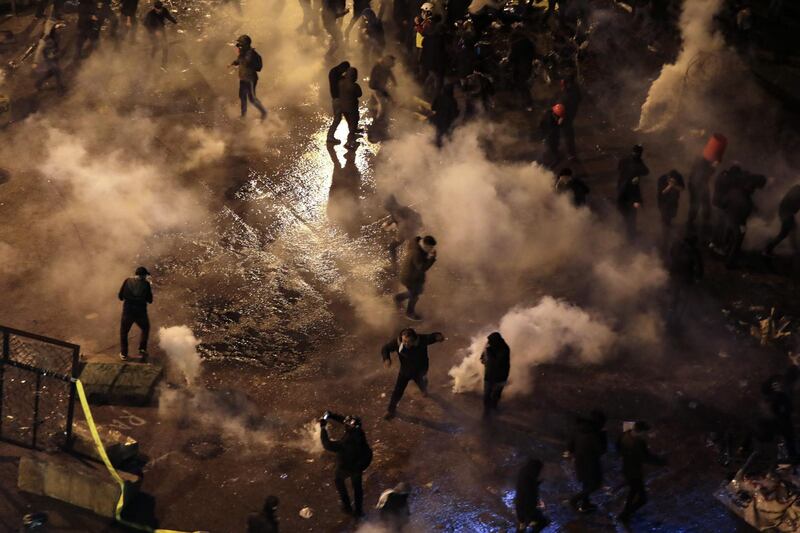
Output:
x=119 y=448
x=81 y=483
x=120 y=383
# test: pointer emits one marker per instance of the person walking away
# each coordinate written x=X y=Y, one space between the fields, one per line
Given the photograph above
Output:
x=550 y=131
x=700 y=186
x=46 y=59
x=359 y=6
x=496 y=359
x=380 y=79
x=577 y=189
x=87 y=27
x=332 y=11
x=128 y=10
x=349 y=93
x=250 y=64
x=155 y=22
x=353 y=456
x=685 y=269
x=420 y=255
x=526 y=499
x=105 y=14
x=629 y=194
x=135 y=295
x=668 y=188
x=335 y=75
x=412 y=351
x=635 y=454
x=571 y=98
x=267 y=520
x=787 y=212
x=520 y=62
x=587 y=446
x=404 y=222
x=393 y=508
x=445 y=112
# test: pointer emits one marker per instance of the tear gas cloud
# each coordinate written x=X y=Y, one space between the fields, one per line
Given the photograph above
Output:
x=180 y=345
x=552 y=330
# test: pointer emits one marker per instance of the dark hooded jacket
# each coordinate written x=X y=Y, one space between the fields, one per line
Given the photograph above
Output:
x=587 y=446
x=496 y=357
x=416 y=263
x=353 y=454
x=135 y=294
x=526 y=500
x=635 y=454
x=413 y=359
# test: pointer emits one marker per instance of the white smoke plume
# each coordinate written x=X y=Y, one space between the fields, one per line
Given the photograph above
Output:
x=669 y=90
x=310 y=438
x=552 y=330
x=180 y=345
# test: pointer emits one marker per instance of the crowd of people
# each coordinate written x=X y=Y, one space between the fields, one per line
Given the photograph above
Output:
x=462 y=60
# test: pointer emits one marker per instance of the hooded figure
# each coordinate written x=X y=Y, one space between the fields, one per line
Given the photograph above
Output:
x=635 y=454
x=349 y=91
x=629 y=194
x=393 y=507
x=353 y=456
x=412 y=350
x=587 y=446
x=577 y=189
x=135 y=295
x=496 y=359
x=526 y=500
x=420 y=255
x=249 y=63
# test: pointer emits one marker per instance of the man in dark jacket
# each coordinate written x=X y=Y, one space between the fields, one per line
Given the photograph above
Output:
x=412 y=350
x=349 y=93
x=685 y=269
x=571 y=98
x=128 y=11
x=577 y=189
x=404 y=222
x=135 y=294
x=520 y=62
x=353 y=456
x=526 y=500
x=725 y=182
x=496 y=359
x=787 y=211
x=332 y=11
x=700 y=196
x=88 y=27
x=738 y=205
x=632 y=447
x=445 y=112
x=393 y=507
x=335 y=75
x=668 y=189
x=587 y=446
x=420 y=255
x=267 y=520
x=380 y=78
x=155 y=21
x=249 y=63
x=550 y=131
x=629 y=194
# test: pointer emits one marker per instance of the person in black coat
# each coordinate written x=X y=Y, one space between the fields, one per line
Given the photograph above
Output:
x=445 y=112
x=496 y=359
x=629 y=194
x=404 y=223
x=135 y=295
x=353 y=456
x=550 y=132
x=566 y=183
x=787 y=211
x=700 y=196
x=738 y=205
x=526 y=500
x=587 y=446
x=632 y=446
x=668 y=191
x=571 y=98
x=520 y=62
x=412 y=350
x=335 y=75
x=155 y=22
x=420 y=255
x=267 y=520
x=393 y=507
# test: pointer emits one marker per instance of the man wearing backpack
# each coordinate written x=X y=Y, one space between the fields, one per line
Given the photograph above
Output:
x=353 y=456
x=250 y=64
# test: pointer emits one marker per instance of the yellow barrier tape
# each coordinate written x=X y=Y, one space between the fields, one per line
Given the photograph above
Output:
x=87 y=413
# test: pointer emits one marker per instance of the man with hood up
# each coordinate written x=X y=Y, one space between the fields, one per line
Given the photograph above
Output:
x=135 y=294
x=420 y=255
x=412 y=350
x=587 y=447
x=496 y=359
x=249 y=63
x=353 y=456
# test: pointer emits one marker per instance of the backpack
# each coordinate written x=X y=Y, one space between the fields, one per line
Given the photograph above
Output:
x=258 y=64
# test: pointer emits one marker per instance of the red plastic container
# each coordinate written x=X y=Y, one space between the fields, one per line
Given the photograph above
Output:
x=715 y=148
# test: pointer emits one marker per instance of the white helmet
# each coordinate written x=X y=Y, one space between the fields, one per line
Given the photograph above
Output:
x=427 y=7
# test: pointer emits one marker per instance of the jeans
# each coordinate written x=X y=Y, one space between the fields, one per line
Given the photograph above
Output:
x=247 y=91
x=129 y=318
x=412 y=295
x=421 y=379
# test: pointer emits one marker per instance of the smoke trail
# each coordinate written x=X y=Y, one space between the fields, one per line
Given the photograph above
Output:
x=551 y=330
x=667 y=91
x=181 y=347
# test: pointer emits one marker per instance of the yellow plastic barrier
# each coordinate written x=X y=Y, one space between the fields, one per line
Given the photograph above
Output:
x=87 y=413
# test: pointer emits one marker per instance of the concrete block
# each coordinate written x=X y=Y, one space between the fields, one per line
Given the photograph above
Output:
x=119 y=448
x=84 y=484
x=120 y=383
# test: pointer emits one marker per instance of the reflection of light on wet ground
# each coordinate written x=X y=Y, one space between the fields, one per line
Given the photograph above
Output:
x=508 y=498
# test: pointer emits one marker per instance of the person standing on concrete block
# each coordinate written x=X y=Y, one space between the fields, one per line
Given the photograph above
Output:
x=135 y=294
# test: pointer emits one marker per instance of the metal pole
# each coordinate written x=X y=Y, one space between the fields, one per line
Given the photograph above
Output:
x=36 y=407
x=71 y=407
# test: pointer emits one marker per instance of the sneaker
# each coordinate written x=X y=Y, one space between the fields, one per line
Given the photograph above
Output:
x=123 y=357
x=389 y=415
x=333 y=142
x=413 y=316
